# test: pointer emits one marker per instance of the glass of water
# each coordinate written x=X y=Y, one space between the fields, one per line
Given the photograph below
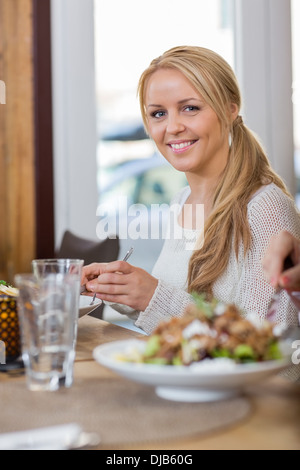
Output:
x=40 y=267
x=48 y=312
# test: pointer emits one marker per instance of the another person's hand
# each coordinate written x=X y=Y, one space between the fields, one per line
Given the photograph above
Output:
x=281 y=246
x=120 y=282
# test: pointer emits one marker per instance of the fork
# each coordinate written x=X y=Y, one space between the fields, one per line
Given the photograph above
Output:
x=126 y=257
x=291 y=332
x=272 y=309
x=128 y=254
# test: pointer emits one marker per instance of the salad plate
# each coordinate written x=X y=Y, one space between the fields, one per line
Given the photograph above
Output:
x=85 y=306
x=207 y=380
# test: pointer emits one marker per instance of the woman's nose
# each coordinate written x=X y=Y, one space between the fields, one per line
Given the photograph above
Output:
x=175 y=124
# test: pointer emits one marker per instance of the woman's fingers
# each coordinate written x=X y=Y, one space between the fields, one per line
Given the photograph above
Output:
x=98 y=284
x=122 y=283
x=90 y=271
x=118 y=267
x=281 y=246
x=290 y=279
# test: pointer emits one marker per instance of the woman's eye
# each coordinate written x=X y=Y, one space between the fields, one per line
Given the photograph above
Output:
x=191 y=108
x=158 y=114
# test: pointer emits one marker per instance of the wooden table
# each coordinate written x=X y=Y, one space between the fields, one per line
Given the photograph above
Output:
x=273 y=424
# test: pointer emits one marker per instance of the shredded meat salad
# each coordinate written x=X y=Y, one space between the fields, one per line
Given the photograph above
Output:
x=6 y=289
x=208 y=331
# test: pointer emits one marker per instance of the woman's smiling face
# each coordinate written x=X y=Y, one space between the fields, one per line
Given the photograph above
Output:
x=186 y=130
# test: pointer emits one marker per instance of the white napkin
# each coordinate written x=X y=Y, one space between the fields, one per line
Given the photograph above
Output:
x=60 y=437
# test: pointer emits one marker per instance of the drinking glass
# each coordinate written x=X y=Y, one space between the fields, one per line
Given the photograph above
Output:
x=63 y=266
x=48 y=311
x=41 y=267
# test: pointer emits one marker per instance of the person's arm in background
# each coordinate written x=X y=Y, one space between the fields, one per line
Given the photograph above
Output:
x=282 y=246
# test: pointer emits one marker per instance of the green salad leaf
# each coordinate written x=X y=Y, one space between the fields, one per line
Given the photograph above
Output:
x=221 y=353
x=273 y=353
x=152 y=346
x=206 y=307
x=244 y=353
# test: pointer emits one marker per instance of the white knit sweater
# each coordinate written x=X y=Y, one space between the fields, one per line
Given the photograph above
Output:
x=242 y=283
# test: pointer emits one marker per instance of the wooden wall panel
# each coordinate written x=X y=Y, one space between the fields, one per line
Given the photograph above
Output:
x=17 y=187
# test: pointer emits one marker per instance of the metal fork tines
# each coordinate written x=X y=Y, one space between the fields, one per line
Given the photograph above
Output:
x=93 y=299
x=273 y=305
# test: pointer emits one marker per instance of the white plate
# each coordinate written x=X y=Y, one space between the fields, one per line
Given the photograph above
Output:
x=217 y=379
x=84 y=305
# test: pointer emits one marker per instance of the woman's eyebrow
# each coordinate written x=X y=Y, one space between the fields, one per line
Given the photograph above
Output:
x=189 y=99
x=154 y=106
x=185 y=100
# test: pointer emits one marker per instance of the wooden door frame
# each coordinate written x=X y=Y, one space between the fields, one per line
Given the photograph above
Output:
x=43 y=142
x=43 y=129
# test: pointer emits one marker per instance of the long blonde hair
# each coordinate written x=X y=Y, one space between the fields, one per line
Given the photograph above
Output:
x=247 y=167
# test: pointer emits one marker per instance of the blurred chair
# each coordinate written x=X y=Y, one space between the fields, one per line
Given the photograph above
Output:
x=102 y=251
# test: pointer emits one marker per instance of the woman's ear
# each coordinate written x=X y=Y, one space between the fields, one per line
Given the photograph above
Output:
x=234 y=109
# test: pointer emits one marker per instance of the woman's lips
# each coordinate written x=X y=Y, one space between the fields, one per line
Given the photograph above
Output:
x=179 y=147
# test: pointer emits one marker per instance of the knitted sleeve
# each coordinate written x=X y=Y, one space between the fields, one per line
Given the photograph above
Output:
x=268 y=213
x=167 y=301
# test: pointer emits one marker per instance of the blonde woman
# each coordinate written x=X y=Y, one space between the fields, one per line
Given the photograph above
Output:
x=190 y=103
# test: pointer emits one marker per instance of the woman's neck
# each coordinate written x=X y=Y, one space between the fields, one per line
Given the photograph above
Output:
x=202 y=190
x=199 y=203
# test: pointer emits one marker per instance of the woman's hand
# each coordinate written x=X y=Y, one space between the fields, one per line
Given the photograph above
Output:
x=281 y=246
x=120 y=282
